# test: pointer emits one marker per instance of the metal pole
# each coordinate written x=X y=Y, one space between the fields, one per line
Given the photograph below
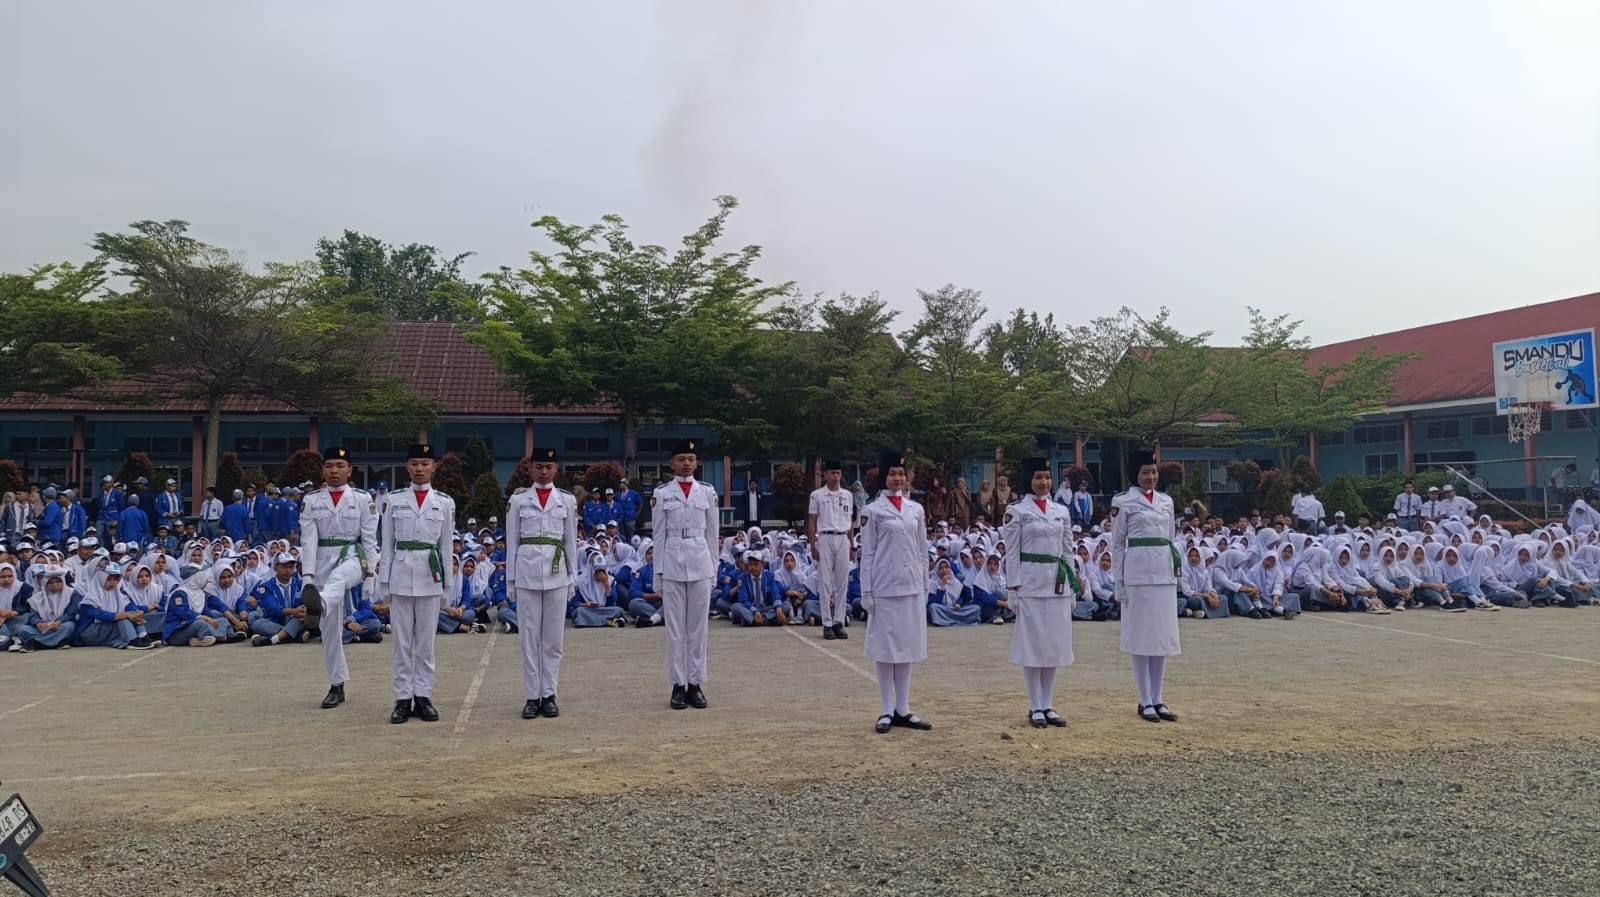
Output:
x=1487 y=491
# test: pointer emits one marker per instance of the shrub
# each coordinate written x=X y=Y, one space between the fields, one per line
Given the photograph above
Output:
x=479 y=460
x=789 y=480
x=254 y=476
x=487 y=500
x=1277 y=492
x=137 y=465
x=1171 y=473
x=450 y=478
x=522 y=477
x=1303 y=474
x=1247 y=474
x=1078 y=473
x=11 y=477
x=1198 y=487
x=230 y=476
x=302 y=466
x=1341 y=495
x=603 y=475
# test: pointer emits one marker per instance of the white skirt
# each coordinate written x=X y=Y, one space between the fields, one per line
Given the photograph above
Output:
x=1149 y=619
x=1042 y=636
x=897 y=629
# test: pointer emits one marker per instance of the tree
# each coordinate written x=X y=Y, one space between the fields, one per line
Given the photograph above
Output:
x=816 y=382
x=1303 y=474
x=1198 y=487
x=522 y=477
x=230 y=476
x=304 y=465
x=135 y=466
x=56 y=330
x=789 y=481
x=1341 y=495
x=487 y=500
x=1078 y=473
x=1277 y=492
x=479 y=460
x=1297 y=400
x=450 y=477
x=11 y=476
x=211 y=330
x=1171 y=473
x=651 y=334
x=602 y=475
x=1246 y=473
x=413 y=282
x=255 y=476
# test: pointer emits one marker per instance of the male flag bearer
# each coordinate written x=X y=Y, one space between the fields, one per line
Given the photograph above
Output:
x=828 y=526
x=541 y=560
x=338 y=552
x=418 y=531
x=684 y=514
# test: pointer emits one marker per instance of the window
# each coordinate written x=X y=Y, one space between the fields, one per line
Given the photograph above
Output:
x=1387 y=462
x=652 y=445
x=1489 y=425
x=597 y=445
x=1576 y=421
x=459 y=444
x=159 y=445
x=40 y=444
x=376 y=445
x=1370 y=433
x=1331 y=438
x=1447 y=428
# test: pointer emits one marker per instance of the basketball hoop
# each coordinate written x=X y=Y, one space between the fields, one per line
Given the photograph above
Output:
x=1522 y=421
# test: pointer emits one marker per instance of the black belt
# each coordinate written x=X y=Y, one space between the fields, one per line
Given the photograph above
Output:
x=833 y=532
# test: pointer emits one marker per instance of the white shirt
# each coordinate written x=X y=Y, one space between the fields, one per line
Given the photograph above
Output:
x=355 y=518
x=685 y=529
x=894 y=549
x=408 y=572
x=832 y=508
x=530 y=566
x=211 y=509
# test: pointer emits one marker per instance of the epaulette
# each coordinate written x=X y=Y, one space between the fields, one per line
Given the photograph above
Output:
x=520 y=489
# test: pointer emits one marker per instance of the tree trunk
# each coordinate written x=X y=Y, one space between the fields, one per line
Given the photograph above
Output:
x=213 y=456
x=630 y=441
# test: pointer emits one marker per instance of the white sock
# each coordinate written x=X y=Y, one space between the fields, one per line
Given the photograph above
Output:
x=902 y=688
x=1047 y=687
x=1141 y=675
x=1030 y=675
x=277 y=637
x=886 y=686
x=655 y=619
x=1158 y=673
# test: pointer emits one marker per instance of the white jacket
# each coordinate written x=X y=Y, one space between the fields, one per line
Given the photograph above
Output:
x=355 y=517
x=407 y=572
x=894 y=549
x=1139 y=518
x=1027 y=530
x=685 y=530
x=530 y=566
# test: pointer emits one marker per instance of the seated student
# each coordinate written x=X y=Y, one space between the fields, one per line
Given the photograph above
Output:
x=947 y=599
x=103 y=617
x=1497 y=586
x=723 y=590
x=756 y=599
x=185 y=624
x=599 y=599
x=495 y=595
x=644 y=599
x=1361 y=594
x=988 y=590
x=1428 y=588
x=356 y=619
x=1465 y=582
x=281 y=617
x=145 y=596
x=1564 y=575
x=1392 y=578
x=853 y=591
x=1315 y=580
x=1243 y=597
x=51 y=618
x=1273 y=584
x=457 y=614
x=1196 y=589
x=797 y=585
x=14 y=595
x=1101 y=583
x=228 y=602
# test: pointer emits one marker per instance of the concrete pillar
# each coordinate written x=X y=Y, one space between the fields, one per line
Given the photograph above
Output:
x=1409 y=426
x=527 y=437
x=1077 y=451
x=197 y=462
x=1315 y=455
x=727 y=481
x=75 y=469
x=313 y=436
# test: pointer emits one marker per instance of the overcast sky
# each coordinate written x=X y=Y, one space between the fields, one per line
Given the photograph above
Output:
x=1365 y=166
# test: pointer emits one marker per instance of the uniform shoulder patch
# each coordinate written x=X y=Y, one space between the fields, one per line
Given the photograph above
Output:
x=519 y=490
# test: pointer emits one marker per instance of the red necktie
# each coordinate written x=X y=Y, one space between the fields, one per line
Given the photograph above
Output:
x=1150 y=497
x=686 y=487
x=896 y=500
x=544 y=496
x=336 y=496
x=421 y=494
x=1040 y=502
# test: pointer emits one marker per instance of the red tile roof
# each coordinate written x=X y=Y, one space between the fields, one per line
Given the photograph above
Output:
x=1456 y=362
x=434 y=356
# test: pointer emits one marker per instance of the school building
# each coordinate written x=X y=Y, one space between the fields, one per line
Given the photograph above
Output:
x=1444 y=413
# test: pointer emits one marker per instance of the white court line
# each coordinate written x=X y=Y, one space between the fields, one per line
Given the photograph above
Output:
x=120 y=667
x=870 y=677
x=472 y=693
x=26 y=706
x=1460 y=641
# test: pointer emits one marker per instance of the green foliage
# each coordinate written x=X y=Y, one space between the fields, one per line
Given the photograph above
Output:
x=135 y=466
x=487 y=500
x=789 y=480
x=1277 y=492
x=602 y=475
x=255 y=476
x=230 y=476
x=1341 y=495
x=413 y=282
x=1077 y=473
x=1377 y=493
x=522 y=477
x=1247 y=474
x=1170 y=473
x=302 y=466
x=1304 y=475
x=389 y=405
x=1198 y=487
x=11 y=477
x=479 y=460
x=55 y=330
x=658 y=335
x=450 y=477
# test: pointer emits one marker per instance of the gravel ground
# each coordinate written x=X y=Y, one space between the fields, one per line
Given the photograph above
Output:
x=1511 y=819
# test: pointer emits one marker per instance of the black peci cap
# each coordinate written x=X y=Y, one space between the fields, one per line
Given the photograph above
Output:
x=421 y=450
x=542 y=454
x=1031 y=466
x=833 y=464
x=1137 y=459
x=888 y=460
x=686 y=447
x=338 y=453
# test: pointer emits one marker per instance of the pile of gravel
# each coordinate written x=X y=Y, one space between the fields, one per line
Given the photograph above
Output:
x=1514 y=820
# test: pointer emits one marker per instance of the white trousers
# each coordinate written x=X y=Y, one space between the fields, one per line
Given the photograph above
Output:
x=541 y=626
x=414 y=620
x=686 y=608
x=335 y=589
x=833 y=578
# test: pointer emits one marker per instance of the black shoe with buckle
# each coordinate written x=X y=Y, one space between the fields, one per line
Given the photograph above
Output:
x=425 y=710
x=401 y=713
x=1165 y=713
x=311 y=597
x=530 y=710
x=838 y=631
x=548 y=708
x=910 y=721
x=680 y=697
x=828 y=634
x=696 y=697
x=335 y=697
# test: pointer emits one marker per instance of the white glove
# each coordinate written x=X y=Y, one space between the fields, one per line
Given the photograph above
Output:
x=866 y=602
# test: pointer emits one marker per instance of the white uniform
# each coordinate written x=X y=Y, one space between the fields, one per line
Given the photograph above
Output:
x=541 y=564
x=894 y=581
x=1146 y=575
x=685 y=526
x=416 y=548
x=338 y=551
x=832 y=508
x=1038 y=545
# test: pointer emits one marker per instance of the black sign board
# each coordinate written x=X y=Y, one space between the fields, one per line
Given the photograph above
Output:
x=18 y=830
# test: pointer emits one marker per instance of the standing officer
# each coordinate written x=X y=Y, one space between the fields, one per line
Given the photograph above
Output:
x=169 y=508
x=829 y=521
x=338 y=551
x=684 y=514
x=541 y=563
x=1408 y=508
x=418 y=529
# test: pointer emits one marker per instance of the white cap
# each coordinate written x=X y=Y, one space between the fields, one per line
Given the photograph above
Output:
x=172 y=482
x=107 y=479
x=285 y=557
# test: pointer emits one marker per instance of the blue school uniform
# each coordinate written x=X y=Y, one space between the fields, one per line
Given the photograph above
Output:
x=726 y=574
x=26 y=627
x=941 y=614
x=272 y=599
x=756 y=595
x=594 y=515
x=236 y=521
x=50 y=520
x=77 y=520
x=183 y=621
x=134 y=526
x=109 y=505
x=644 y=580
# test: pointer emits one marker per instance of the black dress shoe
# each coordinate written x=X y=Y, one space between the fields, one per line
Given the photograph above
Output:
x=1165 y=713
x=828 y=634
x=311 y=597
x=1148 y=713
x=425 y=709
x=884 y=722
x=696 y=697
x=1053 y=718
x=548 y=708
x=401 y=713
x=838 y=631
x=530 y=710
x=680 y=697
x=335 y=697
x=1036 y=719
x=910 y=721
